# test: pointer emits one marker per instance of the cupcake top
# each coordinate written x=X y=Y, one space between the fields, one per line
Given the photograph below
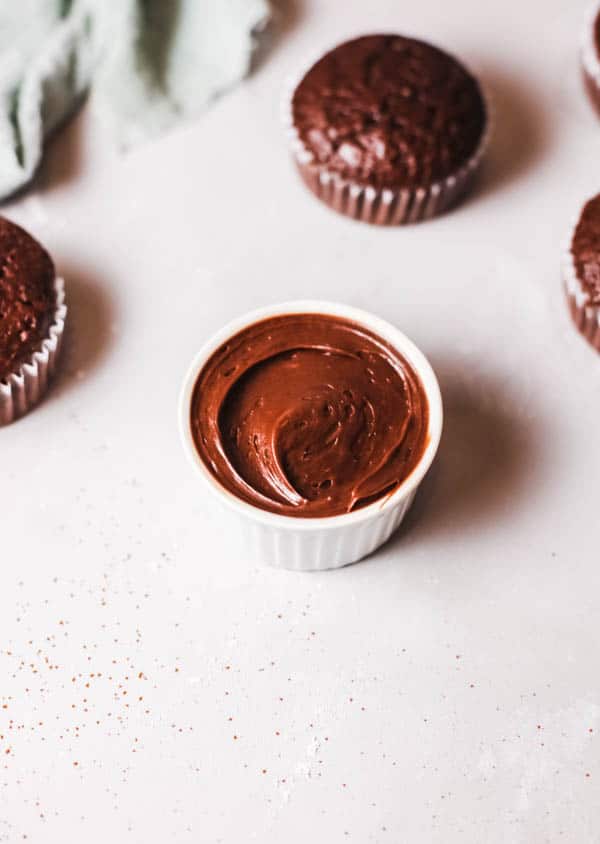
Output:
x=389 y=111
x=585 y=249
x=309 y=415
x=27 y=297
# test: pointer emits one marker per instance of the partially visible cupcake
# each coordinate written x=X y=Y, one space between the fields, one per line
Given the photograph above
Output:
x=581 y=272
x=590 y=54
x=32 y=315
x=388 y=129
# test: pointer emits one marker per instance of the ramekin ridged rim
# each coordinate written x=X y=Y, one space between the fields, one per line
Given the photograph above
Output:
x=379 y=326
x=22 y=389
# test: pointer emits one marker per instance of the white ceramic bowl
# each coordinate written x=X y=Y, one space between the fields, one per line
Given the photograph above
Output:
x=315 y=544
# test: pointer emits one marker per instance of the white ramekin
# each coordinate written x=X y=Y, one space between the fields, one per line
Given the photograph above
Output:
x=315 y=544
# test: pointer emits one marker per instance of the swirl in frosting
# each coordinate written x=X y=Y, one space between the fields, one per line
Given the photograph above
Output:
x=309 y=415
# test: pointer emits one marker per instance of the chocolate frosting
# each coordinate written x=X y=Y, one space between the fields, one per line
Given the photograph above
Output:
x=27 y=296
x=389 y=111
x=585 y=248
x=309 y=415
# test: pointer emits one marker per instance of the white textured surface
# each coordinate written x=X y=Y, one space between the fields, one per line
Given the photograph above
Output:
x=446 y=690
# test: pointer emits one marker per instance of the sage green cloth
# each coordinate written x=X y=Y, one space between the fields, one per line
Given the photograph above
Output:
x=150 y=63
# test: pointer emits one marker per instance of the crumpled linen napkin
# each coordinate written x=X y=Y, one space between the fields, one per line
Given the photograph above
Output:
x=150 y=63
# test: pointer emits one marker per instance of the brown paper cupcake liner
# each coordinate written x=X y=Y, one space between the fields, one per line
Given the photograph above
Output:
x=24 y=388
x=590 y=61
x=386 y=206
x=585 y=314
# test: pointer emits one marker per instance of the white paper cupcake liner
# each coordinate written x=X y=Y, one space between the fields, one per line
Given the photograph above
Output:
x=386 y=206
x=315 y=544
x=25 y=388
x=590 y=61
x=585 y=315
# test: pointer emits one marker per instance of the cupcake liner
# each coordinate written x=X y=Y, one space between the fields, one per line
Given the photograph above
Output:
x=315 y=544
x=24 y=388
x=385 y=206
x=584 y=314
x=590 y=61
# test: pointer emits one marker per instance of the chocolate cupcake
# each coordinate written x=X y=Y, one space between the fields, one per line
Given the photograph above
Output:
x=32 y=315
x=590 y=54
x=388 y=129
x=581 y=273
